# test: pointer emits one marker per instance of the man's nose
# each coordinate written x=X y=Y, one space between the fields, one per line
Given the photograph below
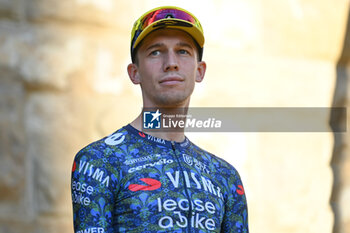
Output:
x=171 y=62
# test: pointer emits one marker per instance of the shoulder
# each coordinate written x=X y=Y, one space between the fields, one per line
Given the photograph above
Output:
x=105 y=147
x=104 y=155
x=99 y=162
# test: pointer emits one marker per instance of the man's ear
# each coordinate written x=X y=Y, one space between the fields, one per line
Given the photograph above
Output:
x=202 y=67
x=134 y=73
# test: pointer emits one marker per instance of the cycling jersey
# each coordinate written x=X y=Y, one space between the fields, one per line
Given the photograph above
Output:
x=133 y=182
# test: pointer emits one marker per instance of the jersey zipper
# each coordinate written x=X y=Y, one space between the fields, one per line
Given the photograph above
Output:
x=185 y=187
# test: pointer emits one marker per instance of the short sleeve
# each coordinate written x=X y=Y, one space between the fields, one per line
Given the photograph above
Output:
x=236 y=211
x=92 y=194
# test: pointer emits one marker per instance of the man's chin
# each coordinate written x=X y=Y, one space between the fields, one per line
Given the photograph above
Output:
x=174 y=101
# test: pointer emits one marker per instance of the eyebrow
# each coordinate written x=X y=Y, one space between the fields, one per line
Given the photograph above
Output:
x=156 y=45
x=183 y=44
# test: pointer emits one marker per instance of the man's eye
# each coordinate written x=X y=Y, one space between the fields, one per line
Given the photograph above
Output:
x=183 y=51
x=155 y=53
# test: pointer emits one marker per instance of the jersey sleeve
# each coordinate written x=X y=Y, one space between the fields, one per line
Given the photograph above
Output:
x=92 y=194
x=236 y=211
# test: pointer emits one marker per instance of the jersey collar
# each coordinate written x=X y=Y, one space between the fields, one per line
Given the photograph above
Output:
x=155 y=140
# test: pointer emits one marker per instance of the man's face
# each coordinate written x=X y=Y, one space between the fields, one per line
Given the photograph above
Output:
x=167 y=68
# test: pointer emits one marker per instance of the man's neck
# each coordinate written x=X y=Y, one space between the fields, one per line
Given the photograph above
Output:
x=177 y=135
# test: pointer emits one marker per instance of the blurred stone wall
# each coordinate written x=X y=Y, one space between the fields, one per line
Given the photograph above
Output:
x=63 y=84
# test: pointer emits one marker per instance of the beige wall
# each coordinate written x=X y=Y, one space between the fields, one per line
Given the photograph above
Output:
x=63 y=84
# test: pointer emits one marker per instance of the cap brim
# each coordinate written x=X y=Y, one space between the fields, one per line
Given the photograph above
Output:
x=172 y=24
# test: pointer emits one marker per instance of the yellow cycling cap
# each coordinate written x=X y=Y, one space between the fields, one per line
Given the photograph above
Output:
x=166 y=17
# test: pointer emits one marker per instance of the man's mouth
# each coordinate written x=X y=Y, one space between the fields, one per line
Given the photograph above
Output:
x=171 y=80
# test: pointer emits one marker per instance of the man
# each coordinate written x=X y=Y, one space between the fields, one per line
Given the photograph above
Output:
x=137 y=181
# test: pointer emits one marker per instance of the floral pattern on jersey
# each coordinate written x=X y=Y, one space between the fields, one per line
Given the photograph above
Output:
x=133 y=182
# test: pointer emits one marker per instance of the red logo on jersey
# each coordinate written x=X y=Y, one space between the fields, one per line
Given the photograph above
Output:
x=74 y=166
x=152 y=185
x=142 y=134
x=240 y=190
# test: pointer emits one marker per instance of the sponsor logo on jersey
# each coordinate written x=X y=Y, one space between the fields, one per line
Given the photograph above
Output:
x=148 y=165
x=96 y=173
x=200 y=215
x=152 y=184
x=202 y=212
x=141 y=159
x=74 y=166
x=185 y=143
x=187 y=159
x=193 y=181
x=115 y=139
x=155 y=139
x=81 y=193
x=196 y=163
x=240 y=190
x=92 y=230
x=152 y=138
